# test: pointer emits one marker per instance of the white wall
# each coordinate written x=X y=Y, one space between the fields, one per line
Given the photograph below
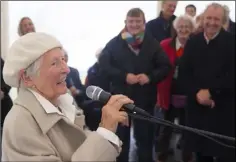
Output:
x=4 y=28
x=5 y=36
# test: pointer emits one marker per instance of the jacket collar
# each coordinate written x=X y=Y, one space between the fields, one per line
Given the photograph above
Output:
x=214 y=37
x=162 y=17
x=177 y=44
x=45 y=120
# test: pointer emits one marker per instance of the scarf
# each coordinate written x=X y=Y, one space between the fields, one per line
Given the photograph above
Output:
x=180 y=52
x=133 y=40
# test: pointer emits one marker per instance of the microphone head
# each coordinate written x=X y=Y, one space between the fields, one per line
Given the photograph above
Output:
x=93 y=92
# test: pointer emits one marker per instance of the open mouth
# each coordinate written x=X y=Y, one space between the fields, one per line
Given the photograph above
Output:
x=63 y=81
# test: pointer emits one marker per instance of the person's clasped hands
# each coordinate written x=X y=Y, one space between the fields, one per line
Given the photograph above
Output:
x=141 y=79
x=204 y=98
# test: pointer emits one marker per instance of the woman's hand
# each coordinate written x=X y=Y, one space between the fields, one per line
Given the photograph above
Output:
x=111 y=114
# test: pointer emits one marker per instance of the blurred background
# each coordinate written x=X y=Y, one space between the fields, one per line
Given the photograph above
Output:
x=81 y=26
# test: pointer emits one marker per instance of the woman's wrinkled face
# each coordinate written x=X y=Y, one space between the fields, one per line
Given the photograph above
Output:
x=184 y=28
x=50 y=80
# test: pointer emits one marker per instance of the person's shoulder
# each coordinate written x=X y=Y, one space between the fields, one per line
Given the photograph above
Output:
x=93 y=68
x=194 y=38
x=166 y=42
x=228 y=38
x=150 y=39
x=73 y=69
x=113 y=41
x=154 y=23
x=150 y=22
x=19 y=120
x=228 y=35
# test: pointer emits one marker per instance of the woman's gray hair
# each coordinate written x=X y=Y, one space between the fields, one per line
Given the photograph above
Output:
x=65 y=52
x=32 y=70
x=184 y=18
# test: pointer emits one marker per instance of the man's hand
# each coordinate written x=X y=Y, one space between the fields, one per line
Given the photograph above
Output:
x=143 y=79
x=111 y=114
x=2 y=95
x=131 y=79
x=204 y=98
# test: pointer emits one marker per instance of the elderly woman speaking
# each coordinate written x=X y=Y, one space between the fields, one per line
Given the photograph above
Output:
x=43 y=124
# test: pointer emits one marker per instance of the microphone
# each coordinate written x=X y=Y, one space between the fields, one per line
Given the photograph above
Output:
x=98 y=94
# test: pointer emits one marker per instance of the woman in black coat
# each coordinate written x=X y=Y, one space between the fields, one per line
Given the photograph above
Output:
x=6 y=102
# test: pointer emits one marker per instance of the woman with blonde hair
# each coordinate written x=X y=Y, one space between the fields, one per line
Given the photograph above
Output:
x=25 y=26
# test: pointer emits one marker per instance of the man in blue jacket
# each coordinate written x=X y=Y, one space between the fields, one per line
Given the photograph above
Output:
x=75 y=85
x=96 y=77
x=160 y=27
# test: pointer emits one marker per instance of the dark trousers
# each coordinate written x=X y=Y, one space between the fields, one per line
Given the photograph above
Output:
x=6 y=104
x=144 y=137
x=201 y=158
x=165 y=134
x=123 y=132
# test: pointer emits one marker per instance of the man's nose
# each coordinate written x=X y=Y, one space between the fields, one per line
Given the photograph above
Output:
x=211 y=22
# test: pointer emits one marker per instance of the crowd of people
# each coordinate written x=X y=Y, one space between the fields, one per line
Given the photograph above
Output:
x=182 y=66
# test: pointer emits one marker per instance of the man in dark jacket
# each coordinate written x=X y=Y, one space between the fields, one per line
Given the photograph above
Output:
x=135 y=63
x=75 y=85
x=231 y=28
x=160 y=27
x=207 y=69
x=96 y=77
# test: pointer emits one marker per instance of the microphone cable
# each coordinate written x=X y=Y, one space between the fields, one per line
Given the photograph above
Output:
x=202 y=133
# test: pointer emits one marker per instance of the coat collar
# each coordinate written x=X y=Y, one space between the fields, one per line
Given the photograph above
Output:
x=172 y=18
x=45 y=120
x=216 y=36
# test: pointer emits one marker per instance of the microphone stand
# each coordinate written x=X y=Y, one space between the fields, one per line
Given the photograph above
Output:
x=203 y=133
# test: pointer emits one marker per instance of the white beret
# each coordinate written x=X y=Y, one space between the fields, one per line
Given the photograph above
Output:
x=25 y=51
